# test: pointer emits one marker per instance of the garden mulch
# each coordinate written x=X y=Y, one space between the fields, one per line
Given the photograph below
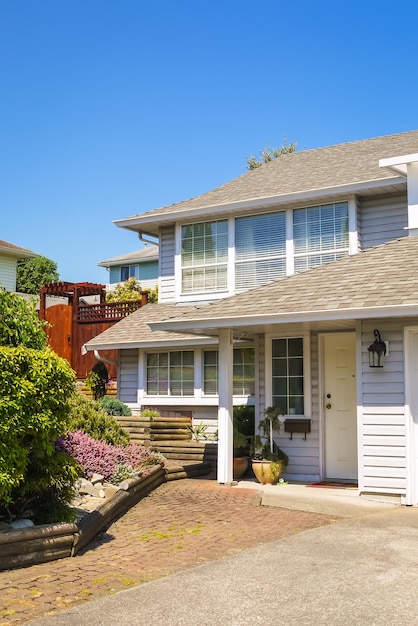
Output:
x=180 y=525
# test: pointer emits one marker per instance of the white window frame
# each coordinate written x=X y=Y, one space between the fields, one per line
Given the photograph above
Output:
x=307 y=395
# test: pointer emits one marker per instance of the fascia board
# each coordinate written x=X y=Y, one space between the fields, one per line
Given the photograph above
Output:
x=281 y=318
x=166 y=343
x=137 y=222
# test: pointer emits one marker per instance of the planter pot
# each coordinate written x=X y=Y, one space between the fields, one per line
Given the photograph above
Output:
x=240 y=465
x=267 y=472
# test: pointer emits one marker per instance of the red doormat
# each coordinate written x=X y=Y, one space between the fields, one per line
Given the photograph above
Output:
x=333 y=485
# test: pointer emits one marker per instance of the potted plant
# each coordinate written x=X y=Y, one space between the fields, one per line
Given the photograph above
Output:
x=269 y=460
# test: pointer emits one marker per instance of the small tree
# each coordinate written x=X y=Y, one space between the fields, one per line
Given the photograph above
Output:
x=130 y=290
x=268 y=154
x=19 y=322
x=33 y=273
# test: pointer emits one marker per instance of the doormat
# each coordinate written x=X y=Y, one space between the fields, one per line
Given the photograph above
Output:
x=333 y=485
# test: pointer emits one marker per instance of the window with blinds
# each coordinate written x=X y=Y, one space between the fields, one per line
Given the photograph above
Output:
x=320 y=235
x=260 y=249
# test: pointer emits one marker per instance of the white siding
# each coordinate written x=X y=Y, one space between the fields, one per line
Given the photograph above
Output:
x=128 y=376
x=382 y=416
x=166 y=292
x=382 y=219
x=8 y=273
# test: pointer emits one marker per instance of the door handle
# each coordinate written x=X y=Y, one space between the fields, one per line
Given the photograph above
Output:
x=328 y=406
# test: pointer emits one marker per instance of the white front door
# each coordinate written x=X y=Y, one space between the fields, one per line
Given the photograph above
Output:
x=340 y=406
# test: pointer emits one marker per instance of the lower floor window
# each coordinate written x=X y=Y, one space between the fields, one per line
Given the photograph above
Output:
x=243 y=372
x=287 y=375
x=170 y=373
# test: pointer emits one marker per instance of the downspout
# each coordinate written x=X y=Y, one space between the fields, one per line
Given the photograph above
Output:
x=144 y=240
x=105 y=359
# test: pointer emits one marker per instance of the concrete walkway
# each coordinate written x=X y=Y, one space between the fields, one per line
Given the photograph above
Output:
x=362 y=569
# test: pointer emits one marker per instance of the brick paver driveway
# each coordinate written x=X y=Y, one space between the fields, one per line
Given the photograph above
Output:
x=180 y=525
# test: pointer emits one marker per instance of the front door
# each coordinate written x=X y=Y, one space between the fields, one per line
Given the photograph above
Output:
x=340 y=406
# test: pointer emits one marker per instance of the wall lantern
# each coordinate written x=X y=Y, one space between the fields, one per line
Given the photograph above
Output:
x=377 y=351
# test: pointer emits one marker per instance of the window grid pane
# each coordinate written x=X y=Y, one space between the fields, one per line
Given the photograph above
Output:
x=204 y=255
x=170 y=373
x=287 y=375
x=243 y=372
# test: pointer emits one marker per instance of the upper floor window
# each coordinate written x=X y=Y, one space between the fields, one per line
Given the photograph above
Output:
x=263 y=247
x=243 y=372
x=204 y=256
x=126 y=271
x=260 y=249
x=320 y=235
x=170 y=373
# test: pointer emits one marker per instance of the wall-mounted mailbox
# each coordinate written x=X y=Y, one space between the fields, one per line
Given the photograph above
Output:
x=301 y=425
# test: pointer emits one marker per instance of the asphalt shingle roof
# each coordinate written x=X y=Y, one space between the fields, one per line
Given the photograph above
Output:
x=322 y=168
x=135 y=328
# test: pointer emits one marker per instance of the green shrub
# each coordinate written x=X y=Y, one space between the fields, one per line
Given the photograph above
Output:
x=88 y=415
x=19 y=322
x=113 y=406
x=150 y=413
x=35 y=386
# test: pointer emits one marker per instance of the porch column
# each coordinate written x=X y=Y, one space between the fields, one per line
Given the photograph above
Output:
x=225 y=408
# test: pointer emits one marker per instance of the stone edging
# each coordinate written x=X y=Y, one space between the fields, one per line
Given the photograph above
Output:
x=30 y=546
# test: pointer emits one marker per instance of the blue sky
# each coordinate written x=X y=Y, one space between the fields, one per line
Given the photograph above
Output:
x=109 y=108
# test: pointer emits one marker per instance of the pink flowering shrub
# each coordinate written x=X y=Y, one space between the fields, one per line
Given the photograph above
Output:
x=103 y=458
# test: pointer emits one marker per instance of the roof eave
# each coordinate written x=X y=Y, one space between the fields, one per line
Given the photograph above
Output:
x=162 y=343
x=328 y=315
x=148 y=224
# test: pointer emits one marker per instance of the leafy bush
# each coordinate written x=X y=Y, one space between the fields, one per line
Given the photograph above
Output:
x=150 y=413
x=35 y=385
x=113 y=406
x=19 y=322
x=102 y=458
x=88 y=415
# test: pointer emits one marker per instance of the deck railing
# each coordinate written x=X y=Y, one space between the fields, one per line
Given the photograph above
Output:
x=106 y=312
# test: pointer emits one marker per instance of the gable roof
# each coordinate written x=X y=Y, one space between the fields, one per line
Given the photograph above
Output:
x=379 y=282
x=343 y=167
x=134 y=331
x=9 y=249
x=150 y=253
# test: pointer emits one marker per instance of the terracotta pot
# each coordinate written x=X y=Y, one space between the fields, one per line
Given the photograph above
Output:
x=267 y=472
x=240 y=465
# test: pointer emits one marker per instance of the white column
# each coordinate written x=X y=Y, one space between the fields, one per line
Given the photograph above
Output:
x=412 y=169
x=225 y=408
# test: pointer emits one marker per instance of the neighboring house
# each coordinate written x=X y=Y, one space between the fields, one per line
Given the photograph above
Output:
x=9 y=257
x=142 y=264
x=273 y=287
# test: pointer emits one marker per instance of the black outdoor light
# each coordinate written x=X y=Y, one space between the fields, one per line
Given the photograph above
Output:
x=377 y=350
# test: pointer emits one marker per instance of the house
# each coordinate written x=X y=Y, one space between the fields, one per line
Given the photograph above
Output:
x=9 y=257
x=142 y=264
x=276 y=289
